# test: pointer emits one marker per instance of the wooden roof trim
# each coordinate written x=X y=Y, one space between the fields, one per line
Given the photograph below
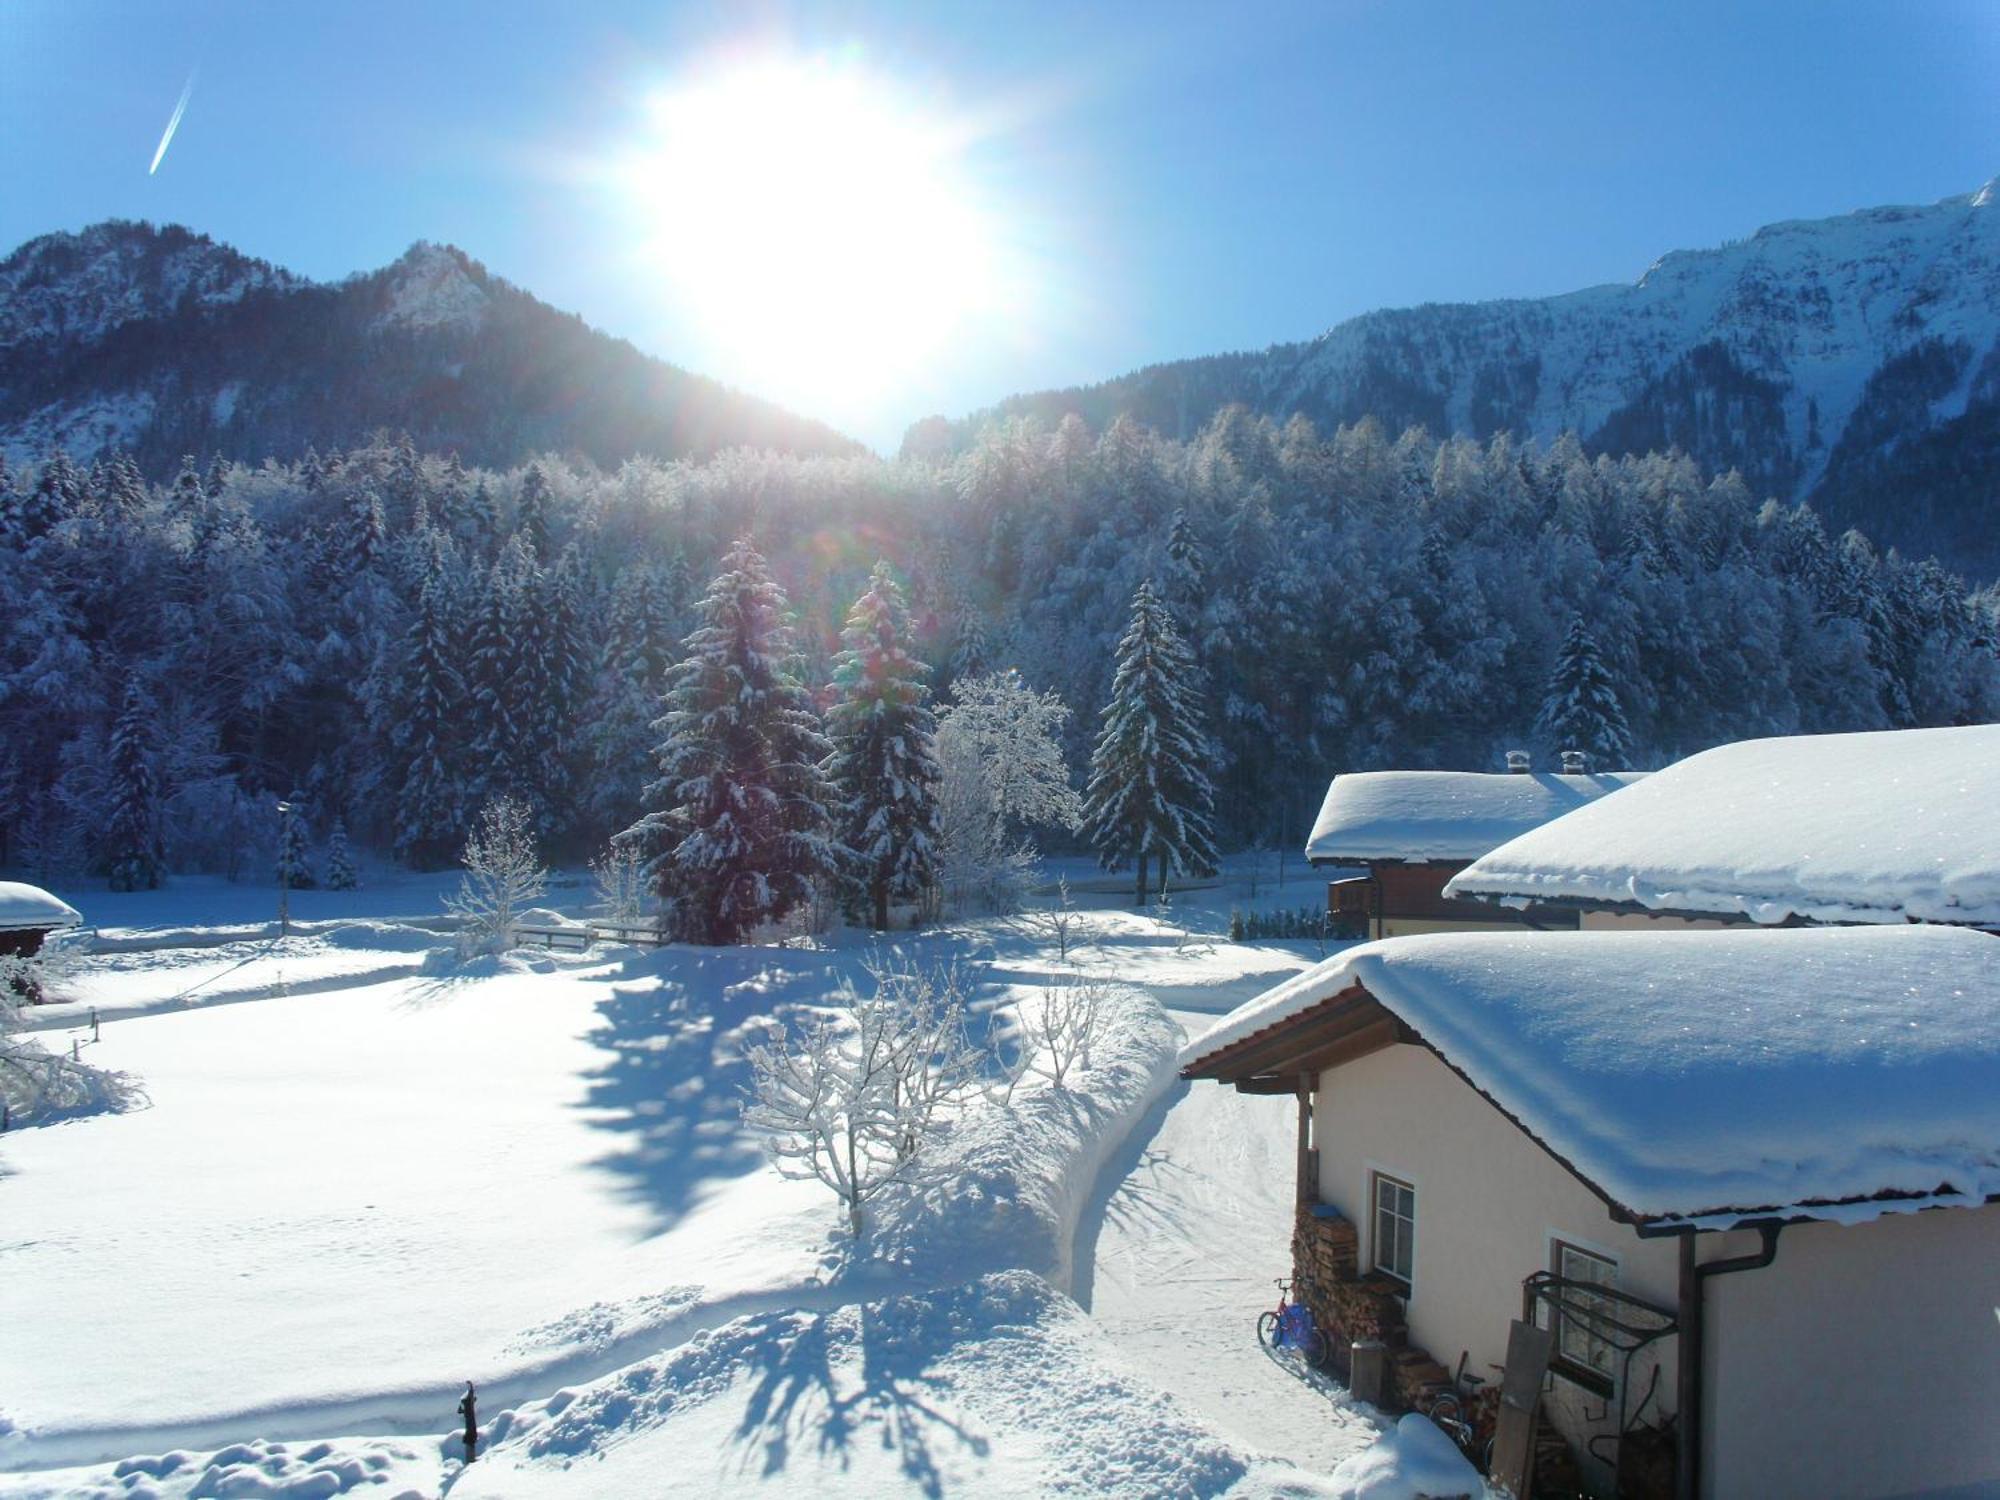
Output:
x=1296 y=1036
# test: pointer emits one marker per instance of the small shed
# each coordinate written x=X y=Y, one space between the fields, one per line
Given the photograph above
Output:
x=28 y=914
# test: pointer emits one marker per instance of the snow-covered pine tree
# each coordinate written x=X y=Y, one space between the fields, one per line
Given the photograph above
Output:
x=739 y=828
x=970 y=654
x=1149 y=794
x=532 y=512
x=187 y=499
x=294 y=863
x=1187 y=572
x=503 y=681
x=641 y=632
x=1580 y=710
x=427 y=732
x=134 y=859
x=57 y=493
x=340 y=874
x=884 y=767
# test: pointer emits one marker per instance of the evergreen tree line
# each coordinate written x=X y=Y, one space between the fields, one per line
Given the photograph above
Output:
x=400 y=640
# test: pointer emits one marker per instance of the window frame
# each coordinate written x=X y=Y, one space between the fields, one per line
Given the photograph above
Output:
x=1579 y=1371
x=1377 y=1176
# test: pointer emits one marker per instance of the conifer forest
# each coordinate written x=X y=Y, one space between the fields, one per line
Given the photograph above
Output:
x=386 y=639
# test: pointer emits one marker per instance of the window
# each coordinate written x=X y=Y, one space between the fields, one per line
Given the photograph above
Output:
x=1395 y=1227
x=1583 y=1351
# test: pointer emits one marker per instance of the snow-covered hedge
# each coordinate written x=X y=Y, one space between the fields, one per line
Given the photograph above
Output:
x=1021 y=1168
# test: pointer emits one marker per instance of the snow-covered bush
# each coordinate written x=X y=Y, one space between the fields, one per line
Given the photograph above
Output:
x=1057 y=921
x=619 y=876
x=855 y=1096
x=1056 y=1033
x=503 y=873
x=35 y=1081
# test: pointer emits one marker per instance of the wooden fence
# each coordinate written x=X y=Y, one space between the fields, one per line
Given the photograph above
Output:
x=582 y=939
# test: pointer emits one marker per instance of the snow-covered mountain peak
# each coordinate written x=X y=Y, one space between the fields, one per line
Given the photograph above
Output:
x=1984 y=197
x=434 y=286
x=68 y=288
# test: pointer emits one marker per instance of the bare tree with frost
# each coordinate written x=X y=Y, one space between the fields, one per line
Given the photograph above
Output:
x=503 y=873
x=856 y=1097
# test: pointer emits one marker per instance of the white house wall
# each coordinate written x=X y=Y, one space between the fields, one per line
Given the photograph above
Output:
x=1489 y=1200
x=1864 y=1362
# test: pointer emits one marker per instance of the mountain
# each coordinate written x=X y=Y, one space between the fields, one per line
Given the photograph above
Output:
x=1851 y=361
x=161 y=342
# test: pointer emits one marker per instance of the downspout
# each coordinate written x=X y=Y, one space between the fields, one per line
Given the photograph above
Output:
x=1688 y=1382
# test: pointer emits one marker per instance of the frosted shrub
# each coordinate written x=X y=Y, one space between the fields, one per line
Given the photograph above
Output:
x=502 y=875
x=1056 y=1035
x=621 y=883
x=33 y=1079
x=855 y=1097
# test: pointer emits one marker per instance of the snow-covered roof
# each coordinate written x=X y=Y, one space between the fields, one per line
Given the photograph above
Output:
x=31 y=906
x=1709 y=1075
x=1443 y=815
x=1884 y=827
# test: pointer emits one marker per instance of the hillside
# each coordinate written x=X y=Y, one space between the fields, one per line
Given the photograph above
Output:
x=163 y=342
x=1851 y=361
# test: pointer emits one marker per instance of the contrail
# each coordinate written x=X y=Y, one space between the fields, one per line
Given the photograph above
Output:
x=167 y=137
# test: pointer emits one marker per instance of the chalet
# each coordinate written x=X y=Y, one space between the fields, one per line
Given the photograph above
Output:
x=1895 y=826
x=1738 y=1151
x=28 y=914
x=1394 y=838
x=1752 y=1180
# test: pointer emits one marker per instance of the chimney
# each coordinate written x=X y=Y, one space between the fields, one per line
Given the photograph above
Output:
x=1576 y=763
x=1517 y=763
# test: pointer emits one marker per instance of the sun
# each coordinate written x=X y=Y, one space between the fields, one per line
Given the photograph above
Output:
x=823 y=234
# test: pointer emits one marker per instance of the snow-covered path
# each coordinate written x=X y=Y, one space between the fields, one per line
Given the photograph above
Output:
x=1183 y=1260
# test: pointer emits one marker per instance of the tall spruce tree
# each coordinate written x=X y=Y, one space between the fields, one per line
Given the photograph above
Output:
x=739 y=828
x=884 y=767
x=532 y=512
x=294 y=862
x=1580 y=710
x=134 y=859
x=428 y=732
x=1149 y=796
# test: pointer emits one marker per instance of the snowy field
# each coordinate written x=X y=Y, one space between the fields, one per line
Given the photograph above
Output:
x=357 y=1182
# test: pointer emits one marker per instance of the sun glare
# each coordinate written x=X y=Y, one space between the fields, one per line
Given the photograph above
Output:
x=821 y=233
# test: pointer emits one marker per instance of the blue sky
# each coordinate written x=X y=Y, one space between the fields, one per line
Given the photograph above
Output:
x=1168 y=180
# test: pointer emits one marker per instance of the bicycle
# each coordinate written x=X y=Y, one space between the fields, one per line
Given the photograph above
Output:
x=1291 y=1326
x=1457 y=1411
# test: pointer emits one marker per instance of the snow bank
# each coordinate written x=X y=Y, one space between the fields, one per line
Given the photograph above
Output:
x=1413 y=1461
x=1696 y=1073
x=1443 y=815
x=29 y=906
x=998 y=1387
x=383 y=1469
x=1884 y=827
x=1020 y=1171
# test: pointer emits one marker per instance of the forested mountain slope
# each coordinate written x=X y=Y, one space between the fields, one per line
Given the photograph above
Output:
x=1851 y=361
x=160 y=342
x=398 y=638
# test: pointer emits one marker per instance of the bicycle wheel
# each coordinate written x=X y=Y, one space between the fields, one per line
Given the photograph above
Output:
x=1267 y=1329
x=1445 y=1411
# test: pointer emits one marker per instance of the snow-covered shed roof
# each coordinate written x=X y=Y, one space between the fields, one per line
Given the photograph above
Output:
x=1443 y=815
x=1706 y=1076
x=29 y=906
x=1884 y=827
